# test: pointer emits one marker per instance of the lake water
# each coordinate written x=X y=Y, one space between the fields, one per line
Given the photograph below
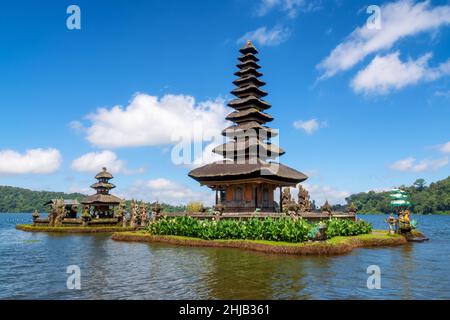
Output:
x=33 y=266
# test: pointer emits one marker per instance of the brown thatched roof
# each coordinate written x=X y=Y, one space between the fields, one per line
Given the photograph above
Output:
x=249 y=79
x=228 y=171
x=250 y=145
x=248 y=115
x=101 y=199
x=237 y=130
x=249 y=89
x=251 y=114
x=249 y=102
x=104 y=174
x=247 y=72
x=248 y=48
x=247 y=57
x=248 y=64
x=67 y=202
x=103 y=185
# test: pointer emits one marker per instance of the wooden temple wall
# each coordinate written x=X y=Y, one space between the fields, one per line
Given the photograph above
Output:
x=242 y=197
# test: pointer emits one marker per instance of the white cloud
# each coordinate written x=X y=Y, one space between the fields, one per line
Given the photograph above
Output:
x=445 y=148
x=309 y=126
x=387 y=73
x=411 y=165
x=34 y=161
x=323 y=193
x=400 y=19
x=149 y=121
x=160 y=184
x=95 y=161
x=440 y=93
x=267 y=37
x=168 y=191
x=76 y=126
x=289 y=7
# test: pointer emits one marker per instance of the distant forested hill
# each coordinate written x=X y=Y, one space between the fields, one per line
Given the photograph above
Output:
x=434 y=198
x=23 y=200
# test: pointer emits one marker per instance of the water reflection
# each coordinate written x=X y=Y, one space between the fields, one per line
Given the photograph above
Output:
x=33 y=266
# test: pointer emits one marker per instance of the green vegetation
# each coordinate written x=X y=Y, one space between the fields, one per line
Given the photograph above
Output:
x=68 y=229
x=434 y=198
x=284 y=229
x=345 y=228
x=194 y=207
x=333 y=246
x=23 y=200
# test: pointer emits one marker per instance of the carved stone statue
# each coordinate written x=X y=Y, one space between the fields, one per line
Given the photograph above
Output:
x=286 y=197
x=304 y=202
x=326 y=208
x=35 y=216
x=352 y=209
x=120 y=211
x=156 y=210
x=144 y=214
x=289 y=206
x=133 y=214
x=58 y=210
x=86 y=216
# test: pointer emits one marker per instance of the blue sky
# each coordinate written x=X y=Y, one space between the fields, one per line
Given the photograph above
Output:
x=357 y=108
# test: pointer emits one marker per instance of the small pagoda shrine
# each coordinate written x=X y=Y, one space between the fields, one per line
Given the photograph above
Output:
x=246 y=179
x=102 y=203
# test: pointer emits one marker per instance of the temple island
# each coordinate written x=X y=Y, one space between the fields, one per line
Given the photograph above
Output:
x=246 y=180
x=101 y=212
x=246 y=213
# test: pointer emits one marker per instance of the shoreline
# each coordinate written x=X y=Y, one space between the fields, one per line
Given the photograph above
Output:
x=334 y=246
x=31 y=228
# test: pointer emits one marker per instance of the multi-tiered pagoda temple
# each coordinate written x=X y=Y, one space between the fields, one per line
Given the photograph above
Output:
x=247 y=178
x=102 y=203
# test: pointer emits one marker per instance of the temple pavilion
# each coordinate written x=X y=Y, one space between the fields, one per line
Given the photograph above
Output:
x=248 y=176
x=102 y=203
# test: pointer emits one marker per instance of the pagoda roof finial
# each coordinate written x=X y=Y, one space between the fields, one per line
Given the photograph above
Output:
x=104 y=174
x=248 y=48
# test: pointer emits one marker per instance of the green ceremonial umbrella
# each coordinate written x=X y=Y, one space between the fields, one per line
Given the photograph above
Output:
x=400 y=203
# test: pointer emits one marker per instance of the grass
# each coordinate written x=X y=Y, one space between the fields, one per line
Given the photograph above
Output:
x=333 y=246
x=71 y=229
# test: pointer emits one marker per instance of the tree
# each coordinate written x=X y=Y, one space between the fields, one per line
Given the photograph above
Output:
x=419 y=184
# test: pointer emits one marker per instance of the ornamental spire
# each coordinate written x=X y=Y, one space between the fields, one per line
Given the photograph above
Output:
x=103 y=186
x=250 y=138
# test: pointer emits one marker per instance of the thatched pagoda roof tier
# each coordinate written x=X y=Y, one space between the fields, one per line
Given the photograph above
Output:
x=248 y=64
x=251 y=79
x=101 y=199
x=245 y=129
x=103 y=185
x=67 y=202
x=248 y=57
x=251 y=114
x=248 y=72
x=250 y=90
x=248 y=48
x=249 y=102
x=251 y=147
x=104 y=174
x=229 y=172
